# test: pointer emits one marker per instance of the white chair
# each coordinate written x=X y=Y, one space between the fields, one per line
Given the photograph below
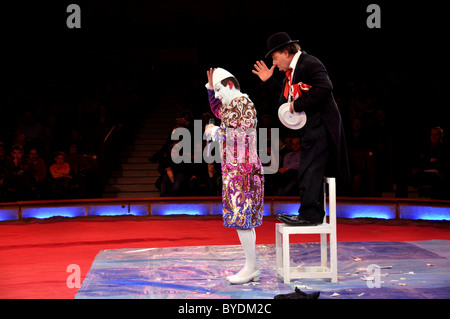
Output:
x=283 y=231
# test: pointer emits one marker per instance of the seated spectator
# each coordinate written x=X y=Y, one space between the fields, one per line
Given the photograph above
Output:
x=286 y=145
x=38 y=170
x=19 y=181
x=82 y=170
x=174 y=177
x=158 y=156
x=287 y=175
x=202 y=179
x=3 y=160
x=20 y=139
x=202 y=182
x=76 y=138
x=360 y=149
x=270 y=169
x=30 y=128
x=430 y=175
x=60 y=171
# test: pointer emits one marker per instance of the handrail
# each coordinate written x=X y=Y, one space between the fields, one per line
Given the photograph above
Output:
x=184 y=199
x=109 y=133
x=398 y=208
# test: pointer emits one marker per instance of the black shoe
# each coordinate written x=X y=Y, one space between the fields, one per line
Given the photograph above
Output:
x=295 y=220
x=298 y=294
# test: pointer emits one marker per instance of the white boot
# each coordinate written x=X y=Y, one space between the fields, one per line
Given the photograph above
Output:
x=250 y=271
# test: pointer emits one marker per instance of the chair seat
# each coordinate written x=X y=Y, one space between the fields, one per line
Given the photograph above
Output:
x=324 y=228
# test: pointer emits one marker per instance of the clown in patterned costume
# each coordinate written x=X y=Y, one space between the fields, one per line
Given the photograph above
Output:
x=242 y=172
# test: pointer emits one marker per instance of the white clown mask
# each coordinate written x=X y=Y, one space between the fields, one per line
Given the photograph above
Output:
x=223 y=93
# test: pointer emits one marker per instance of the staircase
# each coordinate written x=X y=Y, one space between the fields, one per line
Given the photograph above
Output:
x=137 y=176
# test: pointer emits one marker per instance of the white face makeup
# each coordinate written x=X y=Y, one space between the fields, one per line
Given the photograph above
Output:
x=225 y=93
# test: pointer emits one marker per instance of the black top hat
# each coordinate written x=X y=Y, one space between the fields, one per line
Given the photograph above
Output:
x=278 y=40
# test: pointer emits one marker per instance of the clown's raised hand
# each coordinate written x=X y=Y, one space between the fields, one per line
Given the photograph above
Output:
x=209 y=74
x=263 y=71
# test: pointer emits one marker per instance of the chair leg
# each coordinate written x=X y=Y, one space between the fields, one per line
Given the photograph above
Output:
x=278 y=247
x=323 y=250
x=286 y=259
x=333 y=257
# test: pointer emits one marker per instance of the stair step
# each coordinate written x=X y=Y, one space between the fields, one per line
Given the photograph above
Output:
x=139 y=167
x=134 y=160
x=149 y=173
x=152 y=129
x=137 y=176
x=131 y=188
x=136 y=180
x=138 y=147
x=145 y=154
x=155 y=130
x=148 y=141
x=150 y=138
x=131 y=195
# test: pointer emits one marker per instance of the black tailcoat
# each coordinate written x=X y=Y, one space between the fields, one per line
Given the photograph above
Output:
x=320 y=107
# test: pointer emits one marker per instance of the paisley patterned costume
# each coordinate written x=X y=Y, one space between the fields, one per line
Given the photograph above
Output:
x=242 y=172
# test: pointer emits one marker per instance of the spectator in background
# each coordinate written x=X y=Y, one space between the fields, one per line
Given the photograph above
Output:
x=358 y=137
x=76 y=138
x=31 y=129
x=203 y=180
x=202 y=176
x=174 y=176
x=19 y=181
x=38 y=170
x=287 y=175
x=430 y=175
x=3 y=160
x=360 y=155
x=20 y=139
x=48 y=146
x=60 y=171
x=57 y=131
x=286 y=146
x=82 y=170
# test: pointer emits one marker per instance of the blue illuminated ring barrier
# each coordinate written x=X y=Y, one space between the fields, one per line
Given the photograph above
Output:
x=347 y=207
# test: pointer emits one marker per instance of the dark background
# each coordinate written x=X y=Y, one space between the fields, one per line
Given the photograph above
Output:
x=167 y=46
x=232 y=34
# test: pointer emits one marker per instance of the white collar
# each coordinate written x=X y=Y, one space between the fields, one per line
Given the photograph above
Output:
x=295 y=60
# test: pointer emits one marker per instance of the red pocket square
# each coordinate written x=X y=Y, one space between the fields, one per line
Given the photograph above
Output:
x=298 y=88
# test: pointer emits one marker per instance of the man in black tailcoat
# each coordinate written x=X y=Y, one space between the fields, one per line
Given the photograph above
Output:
x=323 y=150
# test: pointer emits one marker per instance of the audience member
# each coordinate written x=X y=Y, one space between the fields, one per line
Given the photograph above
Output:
x=430 y=174
x=30 y=129
x=361 y=160
x=286 y=145
x=38 y=170
x=287 y=175
x=3 y=160
x=60 y=172
x=203 y=180
x=378 y=122
x=83 y=171
x=19 y=180
x=175 y=176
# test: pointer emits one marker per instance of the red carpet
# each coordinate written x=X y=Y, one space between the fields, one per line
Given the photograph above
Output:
x=34 y=255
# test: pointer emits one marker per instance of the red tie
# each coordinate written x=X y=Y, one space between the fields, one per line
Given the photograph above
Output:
x=288 y=83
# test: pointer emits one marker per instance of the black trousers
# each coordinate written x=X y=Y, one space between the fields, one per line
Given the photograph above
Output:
x=314 y=155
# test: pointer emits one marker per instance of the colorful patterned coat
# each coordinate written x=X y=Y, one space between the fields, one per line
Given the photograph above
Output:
x=242 y=172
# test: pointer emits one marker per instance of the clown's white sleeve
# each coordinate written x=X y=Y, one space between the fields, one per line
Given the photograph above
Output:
x=214 y=133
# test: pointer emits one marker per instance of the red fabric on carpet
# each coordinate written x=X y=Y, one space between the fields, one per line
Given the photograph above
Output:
x=34 y=256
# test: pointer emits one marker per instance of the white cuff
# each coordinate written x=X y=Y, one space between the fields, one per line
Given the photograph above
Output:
x=214 y=131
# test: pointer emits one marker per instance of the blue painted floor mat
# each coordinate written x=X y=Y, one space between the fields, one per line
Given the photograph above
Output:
x=418 y=269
